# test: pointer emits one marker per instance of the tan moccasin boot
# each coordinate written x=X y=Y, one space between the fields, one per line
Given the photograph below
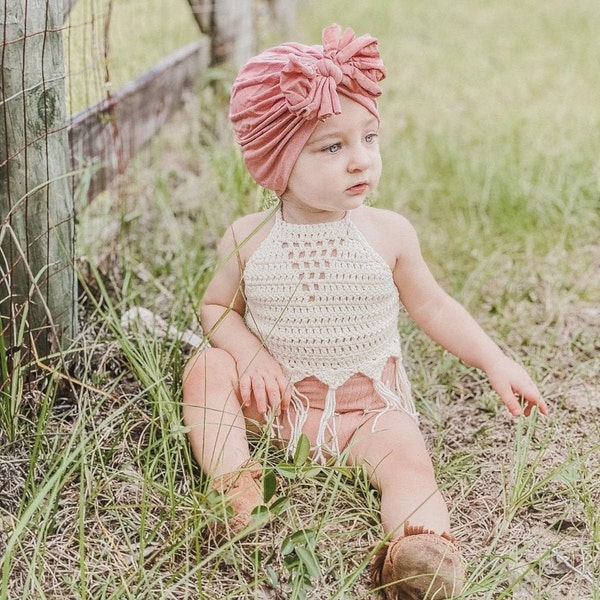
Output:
x=420 y=565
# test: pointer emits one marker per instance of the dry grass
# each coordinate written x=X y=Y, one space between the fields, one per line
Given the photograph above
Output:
x=100 y=497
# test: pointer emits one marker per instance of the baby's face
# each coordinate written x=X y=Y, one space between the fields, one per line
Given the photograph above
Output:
x=338 y=168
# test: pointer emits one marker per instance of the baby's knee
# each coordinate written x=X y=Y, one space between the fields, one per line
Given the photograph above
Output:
x=416 y=466
x=206 y=369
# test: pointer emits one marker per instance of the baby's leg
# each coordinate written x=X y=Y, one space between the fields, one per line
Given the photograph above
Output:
x=421 y=561
x=217 y=433
x=400 y=467
x=212 y=412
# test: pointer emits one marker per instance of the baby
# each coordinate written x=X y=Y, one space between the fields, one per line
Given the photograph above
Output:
x=302 y=314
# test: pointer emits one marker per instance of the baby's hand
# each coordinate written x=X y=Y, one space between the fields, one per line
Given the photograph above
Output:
x=261 y=380
x=515 y=388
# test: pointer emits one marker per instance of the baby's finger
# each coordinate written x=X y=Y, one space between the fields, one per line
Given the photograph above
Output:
x=245 y=387
x=510 y=399
x=508 y=396
x=529 y=396
x=286 y=392
x=539 y=402
x=260 y=395
x=274 y=397
x=542 y=406
x=513 y=405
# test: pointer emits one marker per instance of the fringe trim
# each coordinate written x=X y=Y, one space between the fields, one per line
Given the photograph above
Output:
x=400 y=399
x=327 y=426
x=301 y=405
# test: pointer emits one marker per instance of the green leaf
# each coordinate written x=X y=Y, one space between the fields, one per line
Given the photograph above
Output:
x=279 y=505
x=302 y=450
x=311 y=471
x=269 y=485
x=291 y=562
x=304 y=536
x=286 y=470
x=260 y=513
x=309 y=560
x=287 y=546
x=272 y=575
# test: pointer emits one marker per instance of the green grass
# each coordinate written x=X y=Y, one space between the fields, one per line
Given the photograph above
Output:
x=107 y=43
x=490 y=123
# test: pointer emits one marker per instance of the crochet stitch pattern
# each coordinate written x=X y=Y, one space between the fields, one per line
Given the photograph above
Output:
x=324 y=303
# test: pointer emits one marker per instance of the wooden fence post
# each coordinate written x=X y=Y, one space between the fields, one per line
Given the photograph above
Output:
x=37 y=277
x=230 y=25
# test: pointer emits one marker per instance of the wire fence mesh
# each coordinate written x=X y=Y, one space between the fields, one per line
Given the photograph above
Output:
x=83 y=85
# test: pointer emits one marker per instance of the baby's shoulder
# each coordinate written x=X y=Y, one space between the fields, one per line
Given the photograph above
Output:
x=383 y=222
x=247 y=232
x=389 y=232
x=246 y=224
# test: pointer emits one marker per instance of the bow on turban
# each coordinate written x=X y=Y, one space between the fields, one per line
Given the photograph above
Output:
x=280 y=96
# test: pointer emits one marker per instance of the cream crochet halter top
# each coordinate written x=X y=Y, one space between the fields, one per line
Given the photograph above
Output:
x=324 y=303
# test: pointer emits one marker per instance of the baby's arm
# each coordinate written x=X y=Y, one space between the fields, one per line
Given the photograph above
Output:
x=450 y=325
x=261 y=379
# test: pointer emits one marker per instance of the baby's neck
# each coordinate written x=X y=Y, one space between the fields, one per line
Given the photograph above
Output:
x=295 y=215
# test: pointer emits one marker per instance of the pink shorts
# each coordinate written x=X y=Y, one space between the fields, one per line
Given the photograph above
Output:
x=356 y=403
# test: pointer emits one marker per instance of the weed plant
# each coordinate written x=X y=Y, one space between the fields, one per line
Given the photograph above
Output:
x=490 y=144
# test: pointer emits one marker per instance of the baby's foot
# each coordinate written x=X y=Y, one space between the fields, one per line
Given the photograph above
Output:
x=243 y=492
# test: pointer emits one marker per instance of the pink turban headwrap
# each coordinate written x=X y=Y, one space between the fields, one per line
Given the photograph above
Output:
x=281 y=95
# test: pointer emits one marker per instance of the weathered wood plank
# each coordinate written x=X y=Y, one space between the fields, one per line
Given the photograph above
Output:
x=105 y=137
x=37 y=279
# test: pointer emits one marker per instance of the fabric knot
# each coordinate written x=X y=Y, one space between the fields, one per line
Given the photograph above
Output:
x=328 y=68
x=309 y=87
x=310 y=84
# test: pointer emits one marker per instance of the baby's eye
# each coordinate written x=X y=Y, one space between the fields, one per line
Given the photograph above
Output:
x=333 y=148
x=370 y=137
